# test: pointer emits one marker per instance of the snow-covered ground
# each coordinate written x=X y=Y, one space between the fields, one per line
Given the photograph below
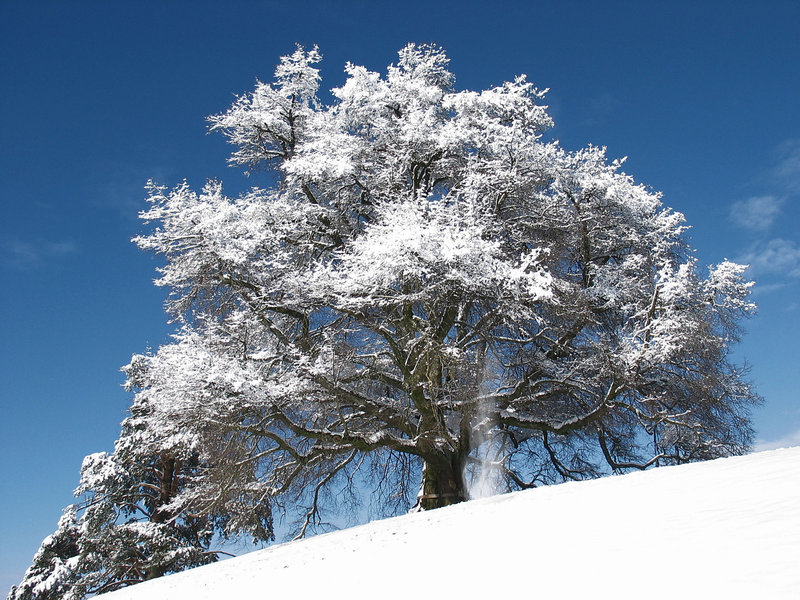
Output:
x=728 y=528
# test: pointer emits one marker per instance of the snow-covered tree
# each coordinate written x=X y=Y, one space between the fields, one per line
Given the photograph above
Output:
x=427 y=299
x=141 y=514
x=432 y=292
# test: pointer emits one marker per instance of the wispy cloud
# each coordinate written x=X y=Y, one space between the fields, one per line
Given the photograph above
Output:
x=764 y=289
x=786 y=441
x=757 y=213
x=22 y=254
x=599 y=108
x=122 y=188
x=775 y=257
x=787 y=171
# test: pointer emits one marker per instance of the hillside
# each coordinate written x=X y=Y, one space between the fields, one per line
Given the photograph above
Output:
x=728 y=528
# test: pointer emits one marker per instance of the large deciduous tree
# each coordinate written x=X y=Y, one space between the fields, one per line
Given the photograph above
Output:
x=430 y=289
x=428 y=300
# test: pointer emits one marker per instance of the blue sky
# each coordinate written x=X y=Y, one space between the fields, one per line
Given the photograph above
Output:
x=100 y=96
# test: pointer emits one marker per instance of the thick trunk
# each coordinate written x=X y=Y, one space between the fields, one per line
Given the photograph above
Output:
x=154 y=572
x=442 y=476
x=442 y=483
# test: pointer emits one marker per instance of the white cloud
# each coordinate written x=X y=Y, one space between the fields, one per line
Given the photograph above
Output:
x=762 y=289
x=23 y=255
x=757 y=213
x=786 y=441
x=788 y=169
x=775 y=257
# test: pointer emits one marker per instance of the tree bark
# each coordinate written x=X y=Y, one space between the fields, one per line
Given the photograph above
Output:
x=442 y=483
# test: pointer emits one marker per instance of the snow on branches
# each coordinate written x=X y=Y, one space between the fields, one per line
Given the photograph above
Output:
x=429 y=278
x=429 y=291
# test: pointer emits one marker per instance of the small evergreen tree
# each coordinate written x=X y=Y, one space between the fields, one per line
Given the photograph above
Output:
x=140 y=516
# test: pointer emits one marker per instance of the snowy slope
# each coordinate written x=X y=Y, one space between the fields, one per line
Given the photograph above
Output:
x=729 y=528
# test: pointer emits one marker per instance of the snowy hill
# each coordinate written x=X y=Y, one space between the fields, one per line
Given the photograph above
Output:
x=729 y=528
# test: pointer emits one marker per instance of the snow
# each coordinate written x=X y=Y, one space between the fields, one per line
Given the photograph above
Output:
x=728 y=528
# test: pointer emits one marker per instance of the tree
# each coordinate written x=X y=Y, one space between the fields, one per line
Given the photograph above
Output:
x=142 y=515
x=431 y=288
x=429 y=299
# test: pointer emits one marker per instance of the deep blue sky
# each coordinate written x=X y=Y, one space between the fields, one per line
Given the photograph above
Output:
x=97 y=97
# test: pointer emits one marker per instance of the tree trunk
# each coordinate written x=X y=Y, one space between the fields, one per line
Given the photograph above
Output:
x=442 y=483
x=154 y=572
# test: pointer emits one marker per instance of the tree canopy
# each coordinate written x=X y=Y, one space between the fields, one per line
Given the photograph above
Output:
x=428 y=301
x=429 y=283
